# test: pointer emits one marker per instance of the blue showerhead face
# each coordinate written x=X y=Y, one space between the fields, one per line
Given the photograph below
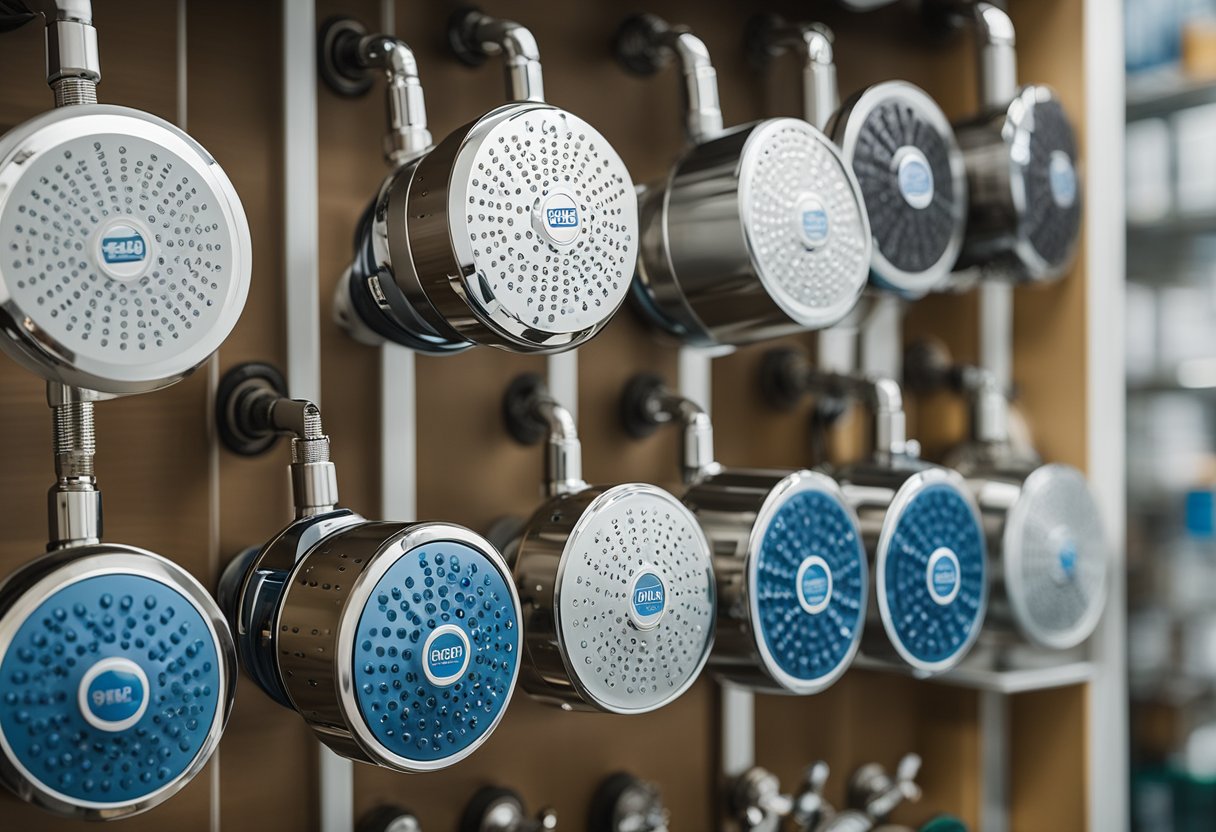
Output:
x=115 y=683
x=932 y=571
x=437 y=653
x=398 y=643
x=809 y=582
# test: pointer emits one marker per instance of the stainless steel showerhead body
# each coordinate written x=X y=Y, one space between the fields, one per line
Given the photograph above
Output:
x=617 y=582
x=758 y=231
x=398 y=643
x=518 y=231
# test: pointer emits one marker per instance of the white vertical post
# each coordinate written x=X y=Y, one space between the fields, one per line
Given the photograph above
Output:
x=300 y=223
x=1105 y=231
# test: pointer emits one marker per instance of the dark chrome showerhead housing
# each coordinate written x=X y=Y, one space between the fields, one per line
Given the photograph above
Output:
x=518 y=231
x=758 y=231
x=398 y=643
x=617 y=582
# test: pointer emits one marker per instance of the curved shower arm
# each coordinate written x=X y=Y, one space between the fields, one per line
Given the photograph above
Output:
x=531 y=414
x=483 y=35
x=405 y=106
x=997 y=58
x=647 y=402
x=775 y=36
x=255 y=409
x=646 y=43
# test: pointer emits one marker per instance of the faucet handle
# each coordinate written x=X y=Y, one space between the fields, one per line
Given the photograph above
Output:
x=757 y=801
x=879 y=793
x=810 y=807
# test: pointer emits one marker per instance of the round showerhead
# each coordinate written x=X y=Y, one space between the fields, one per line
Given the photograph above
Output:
x=1055 y=558
x=908 y=164
x=1046 y=191
x=420 y=642
x=809 y=582
x=520 y=229
x=804 y=222
x=117 y=675
x=633 y=596
x=125 y=259
x=931 y=571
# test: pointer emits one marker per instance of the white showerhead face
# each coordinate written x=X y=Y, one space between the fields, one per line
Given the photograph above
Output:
x=804 y=221
x=124 y=250
x=635 y=599
x=543 y=216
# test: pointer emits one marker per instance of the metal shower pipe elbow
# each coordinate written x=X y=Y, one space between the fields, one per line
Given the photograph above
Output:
x=521 y=56
x=405 y=106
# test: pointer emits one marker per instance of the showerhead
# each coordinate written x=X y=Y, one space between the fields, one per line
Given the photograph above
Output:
x=517 y=231
x=931 y=571
x=125 y=258
x=118 y=675
x=628 y=615
x=908 y=163
x=759 y=231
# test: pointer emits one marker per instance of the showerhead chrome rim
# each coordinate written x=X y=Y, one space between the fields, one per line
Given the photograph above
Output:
x=71 y=567
x=842 y=233
x=604 y=205
x=907 y=492
x=32 y=336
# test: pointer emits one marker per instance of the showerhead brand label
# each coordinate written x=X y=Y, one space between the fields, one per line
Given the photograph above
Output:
x=559 y=218
x=1062 y=177
x=813 y=224
x=647 y=600
x=915 y=178
x=813 y=585
x=446 y=655
x=123 y=249
x=113 y=694
x=1066 y=561
x=943 y=576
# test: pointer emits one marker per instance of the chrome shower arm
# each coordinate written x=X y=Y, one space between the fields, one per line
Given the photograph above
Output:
x=790 y=375
x=73 y=502
x=482 y=35
x=256 y=410
x=405 y=106
x=73 y=67
x=648 y=403
x=772 y=36
x=563 y=450
x=928 y=367
x=531 y=414
x=645 y=43
x=997 y=58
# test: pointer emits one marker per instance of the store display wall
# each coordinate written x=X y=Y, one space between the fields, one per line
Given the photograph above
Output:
x=170 y=487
